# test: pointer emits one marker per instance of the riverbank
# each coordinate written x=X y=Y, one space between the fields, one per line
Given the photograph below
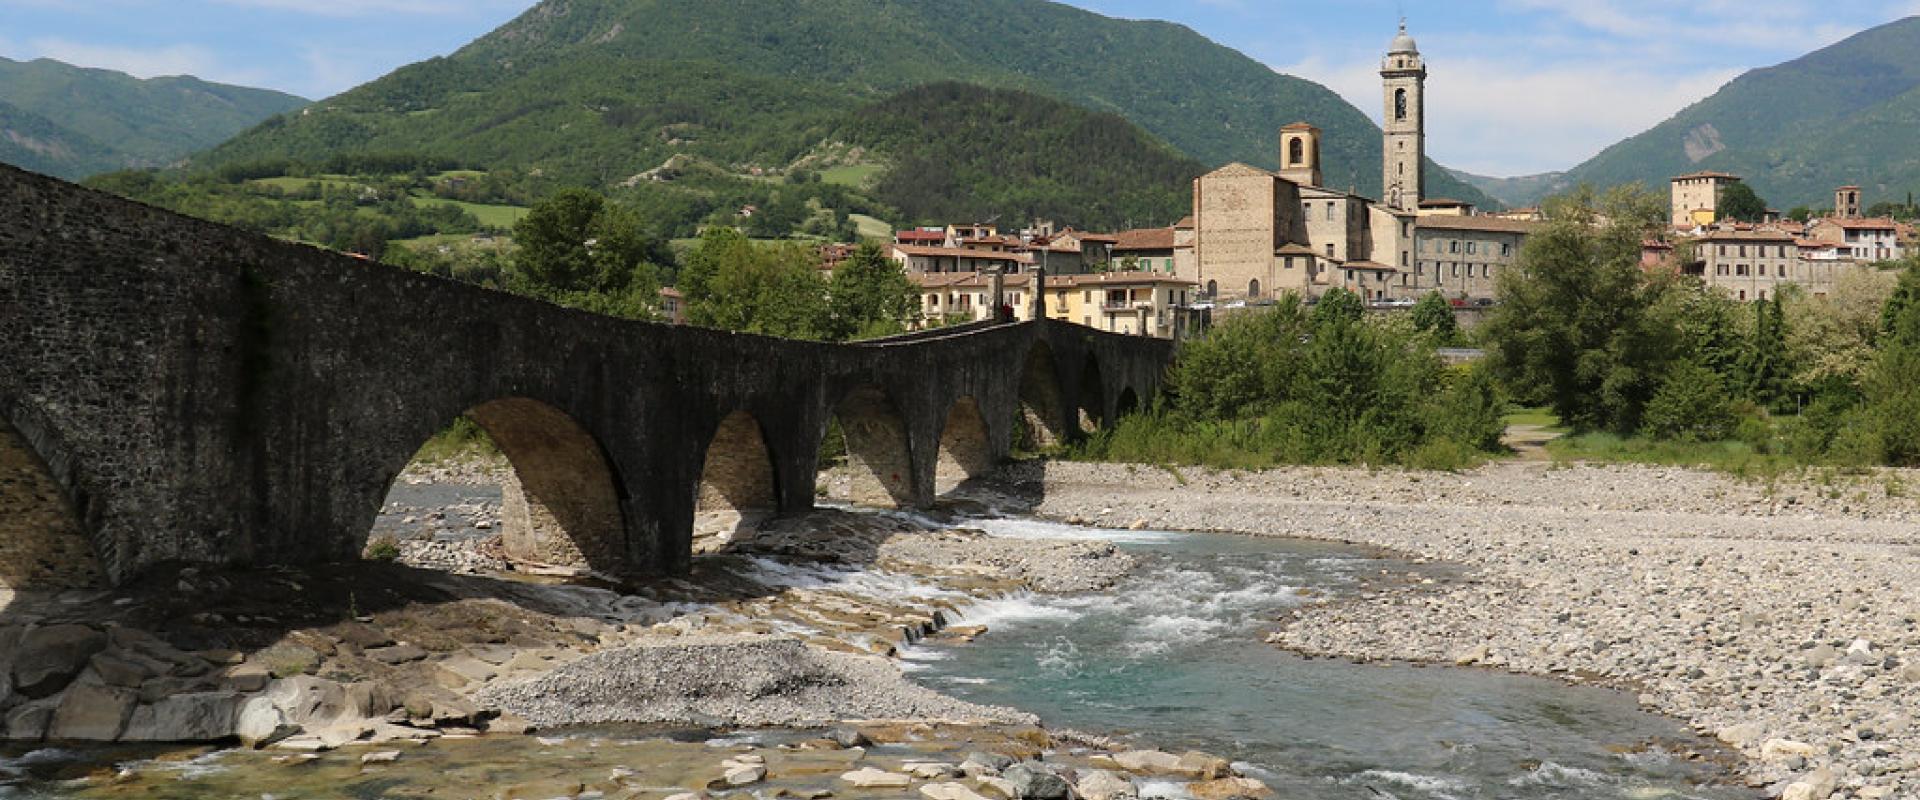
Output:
x=1778 y=618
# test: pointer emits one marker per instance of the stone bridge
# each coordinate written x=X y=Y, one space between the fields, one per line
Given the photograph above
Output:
x=177 y=391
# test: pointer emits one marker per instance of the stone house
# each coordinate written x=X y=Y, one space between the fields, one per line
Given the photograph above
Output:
x=1462 y=257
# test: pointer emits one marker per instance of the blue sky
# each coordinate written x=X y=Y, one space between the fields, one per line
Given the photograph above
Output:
x=1518 y=86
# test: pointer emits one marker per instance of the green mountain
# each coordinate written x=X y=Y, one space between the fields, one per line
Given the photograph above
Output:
x=1845 y=114
x=72 y=121
x=960 y=151
x=607 y=90
x=1519 y=192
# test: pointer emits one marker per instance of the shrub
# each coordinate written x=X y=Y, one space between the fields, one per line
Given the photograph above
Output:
x=383 y=548
x=1691 y=405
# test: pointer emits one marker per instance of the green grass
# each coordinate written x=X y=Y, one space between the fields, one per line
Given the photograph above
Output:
x=1542 y=417
x=492 y=216
x=434 y=240
x=872 y=227
x=853 y=176
x=1733 y=457
x=292 y=184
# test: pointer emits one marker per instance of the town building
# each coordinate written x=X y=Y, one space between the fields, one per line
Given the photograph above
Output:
x=1751 y=264
x=1404 y=79
x=1866 y=240
x=1696 y=198
x=918 y=259
x=1145 y=250
x=1131 y=303
x=1461 y=257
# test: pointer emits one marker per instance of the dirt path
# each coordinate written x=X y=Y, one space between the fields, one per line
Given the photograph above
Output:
x=1529 y=441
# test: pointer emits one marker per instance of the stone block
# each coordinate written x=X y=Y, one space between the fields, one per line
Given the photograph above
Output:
x=50 y=657
x=90 y=713
x=194 y=717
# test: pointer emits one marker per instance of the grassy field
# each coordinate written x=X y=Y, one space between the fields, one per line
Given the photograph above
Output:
x=491 y=216
x=434 y=240
x=871 y=227
x=854 y=176
x=292 y=184
x=1540 y=417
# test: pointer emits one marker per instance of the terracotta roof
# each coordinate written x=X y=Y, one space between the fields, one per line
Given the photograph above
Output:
x=1185 y=223
x=1088 y=236
x=1298 y=126
x=1144 y=239
x=1812 y=244
x=1493 y=224
x=1117 y=279
x=1294 y=249
x=920 y=236
x=1443 y=202
x=1866 y=224
x=1370 y=266
x=960 y=252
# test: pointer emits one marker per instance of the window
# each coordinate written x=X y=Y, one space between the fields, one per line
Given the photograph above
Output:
x=1330 y=212
x=1406 y=230
x=1454 y=269
x=1329 y=250
x=1253 y=288
x=1763 y=272
x=1469 y=270
x=1740 y=269
x=1506 y=249
x=1472 y=248
x=1723 y=249
x=1213 y=288
x=1399 y=104
x=1405 y=258
x=1453 y=246
x=1296 y=152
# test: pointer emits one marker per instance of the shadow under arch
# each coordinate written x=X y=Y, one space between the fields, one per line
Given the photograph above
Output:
x=737 y=486
x=1128 y=404
x=1093 y=397
x=44 y=543
x=966 y=451
x=878 y=449
x=1042 y=414
x=560 y=506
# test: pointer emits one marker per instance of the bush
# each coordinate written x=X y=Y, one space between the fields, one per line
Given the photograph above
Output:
x=382 y=548
x=1691 y=405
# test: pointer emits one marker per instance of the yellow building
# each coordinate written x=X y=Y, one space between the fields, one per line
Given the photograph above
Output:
x=1132 y=303
x=1696 y=197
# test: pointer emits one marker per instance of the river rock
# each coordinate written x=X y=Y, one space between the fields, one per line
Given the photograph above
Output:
x=50 y=657
x=998 y=788
x=9 y=648
x=1100 y=784
x=745 y=774
x=1228 y=787
x=29 y=722
x=93 y=713
x=195 y=717
x=983 y=763
x=308 y=701
x=870 y=778
x=1743 y=734
x=396 y=654
x=1817 y=785
x=1034 y=782
x=949 y=791
x=929 y=770
x=380 y=757
x=1782 y=749
x=1151 y=762
x=261 y=723
x=119 y=670
x=1195 y=764
x=247 y=677
x=849 y=738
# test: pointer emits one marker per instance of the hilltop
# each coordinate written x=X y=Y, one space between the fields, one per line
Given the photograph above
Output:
x=72 y=122
x=1841 y=115
x=601 y=91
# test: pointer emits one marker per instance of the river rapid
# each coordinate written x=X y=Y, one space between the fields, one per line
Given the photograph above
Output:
x=1174 y=657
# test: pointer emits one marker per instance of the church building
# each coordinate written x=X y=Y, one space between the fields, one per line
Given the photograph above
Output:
x=1258 y=234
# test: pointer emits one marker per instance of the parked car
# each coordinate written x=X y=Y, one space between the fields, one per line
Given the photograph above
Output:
x=1485 y=302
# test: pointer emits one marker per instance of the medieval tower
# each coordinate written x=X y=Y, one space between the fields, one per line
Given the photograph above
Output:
x=1404 y=76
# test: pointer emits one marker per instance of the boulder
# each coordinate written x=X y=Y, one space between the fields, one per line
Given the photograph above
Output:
x=195 y=717
x=870 y=778
x=124 y=670
x=998 y=788
x=309 y=702
x=261 y=723
x=930 y=770
x=370 y=699
x=1228 y=787
x=50 y=657
x=1034 y=782
x=29 y=722
x=92 y=713
x=849 y=738
x=396 y=654
x=1100 y=784
x=361 y=635
x=745 y=775
x=1152 y=762
x=949 y=791
x=247 y=677
x=986 y=763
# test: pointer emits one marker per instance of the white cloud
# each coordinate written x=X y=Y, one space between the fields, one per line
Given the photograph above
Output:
x=364 y=8
x=137 y=61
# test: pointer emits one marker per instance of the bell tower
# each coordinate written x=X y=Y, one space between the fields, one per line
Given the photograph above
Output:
x=1300 y=154
x=1404 y=76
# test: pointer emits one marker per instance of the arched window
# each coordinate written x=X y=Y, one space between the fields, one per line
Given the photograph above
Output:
x=1253 y=288
x=1296 y=152
x=1399 y=104
x=1213 y=289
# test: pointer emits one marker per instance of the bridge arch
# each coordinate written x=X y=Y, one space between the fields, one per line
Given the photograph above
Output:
x=1093 y=396
x=966 y=448
x=1129 y=403
x=1042 y=413
x=561 y=504
x=738 y=484
x=879 y=456
x=44 y=540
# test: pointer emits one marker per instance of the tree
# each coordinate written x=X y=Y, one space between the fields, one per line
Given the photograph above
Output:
x=574 y=243
x=1690 y=406
x=1573 y=326
x=1739 y=202
x=1764 y=366
x=1337 y=304
x=870 y=296
x=1830 y=339
x=733 y=283
x=1800 y=213
x=1434 y=315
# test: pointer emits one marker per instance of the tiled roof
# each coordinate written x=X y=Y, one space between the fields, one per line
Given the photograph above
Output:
x=1185 y=223
x=1144 y=239
x=1746 y=236
x=960 y=252
x=1707 y=174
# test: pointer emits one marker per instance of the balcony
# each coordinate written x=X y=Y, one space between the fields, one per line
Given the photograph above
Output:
x=1125 y=307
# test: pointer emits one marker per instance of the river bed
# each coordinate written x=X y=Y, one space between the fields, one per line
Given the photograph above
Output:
x=1174 y=657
